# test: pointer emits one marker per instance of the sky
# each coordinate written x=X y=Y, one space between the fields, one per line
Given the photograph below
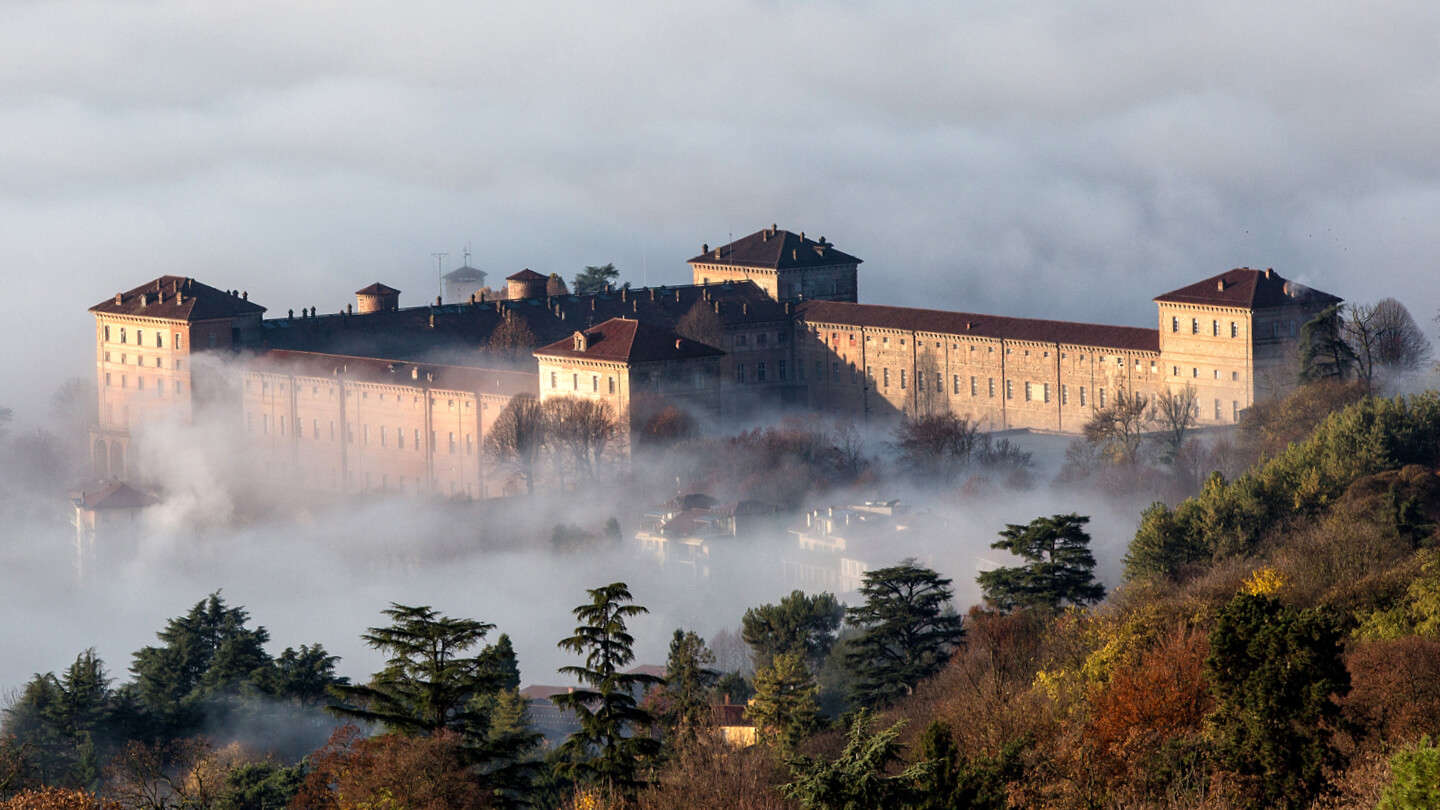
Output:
x=1043 y=159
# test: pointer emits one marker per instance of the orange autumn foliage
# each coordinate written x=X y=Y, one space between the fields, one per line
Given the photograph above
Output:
x=51 y=798
x=1161 y=696
x=353 y=772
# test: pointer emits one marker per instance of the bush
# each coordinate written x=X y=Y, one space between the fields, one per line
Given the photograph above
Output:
x=1414 y=780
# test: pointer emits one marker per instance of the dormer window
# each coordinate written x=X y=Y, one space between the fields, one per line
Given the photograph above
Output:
x=581 y=342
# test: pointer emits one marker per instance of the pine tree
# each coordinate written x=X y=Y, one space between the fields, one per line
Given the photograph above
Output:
x=858 y=777
x=784 y=709
x=612 y=746
x=688 y=680
x=800 y=624
x=1060 y=568
x=1324 y=354
x=907 y=631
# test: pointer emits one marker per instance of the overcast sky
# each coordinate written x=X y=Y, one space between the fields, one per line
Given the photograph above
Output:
x=1039 y=158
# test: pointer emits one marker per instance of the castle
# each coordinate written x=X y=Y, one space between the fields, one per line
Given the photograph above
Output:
x=382 y=397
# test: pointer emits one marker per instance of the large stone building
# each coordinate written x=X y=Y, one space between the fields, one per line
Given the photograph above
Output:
x=380 y=396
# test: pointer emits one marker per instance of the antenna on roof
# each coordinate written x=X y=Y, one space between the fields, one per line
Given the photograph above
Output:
x=440 y=271
x=467 y=254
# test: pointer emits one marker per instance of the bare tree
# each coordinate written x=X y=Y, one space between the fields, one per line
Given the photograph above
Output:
x=518 y=435
x=512 y=340
x=849 y=448
x=701 y=324
x=582 y=427
x=1175 y=413
x=937 y=447
x=929 y=386
x=1118 y=428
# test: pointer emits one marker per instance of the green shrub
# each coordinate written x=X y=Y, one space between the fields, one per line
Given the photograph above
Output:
x=1414 y=778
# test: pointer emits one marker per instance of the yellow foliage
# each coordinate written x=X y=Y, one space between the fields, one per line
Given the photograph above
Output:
x=1265 y=581
x=1053 y=683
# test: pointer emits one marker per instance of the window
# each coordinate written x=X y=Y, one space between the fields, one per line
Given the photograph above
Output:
x=834 y=369
x=139 y=383
x=764 y=338
x=107 y=331
x=1082 y=396
x=265 y=423
x=1217 y=410
x=612 y=385
x=574 y=385
x=1194 y=326
x=740 y=372
x=1194 y=372
x=177 y=344
x=212 y=340
x=992 y=386
x=1234 y=411
x=902 y=379
x=332 y=430
x=1064 y=394
x=885 y=377
x=451 y=442
x=973 y=388
x=159 y=340
x=400 y=438
x=1215 y=328
x=1027 y=391
x=1046 y=391
x=1102 y=397
x=1009 y=389
x=382 y=435
x=122 y=334
x=595 y=383
x=365 y=434
x=1175 y=371
x=955 y=388
x=740 y=340
x=417 y=438
x=1174 y=324
x=139 y=337
x=780 y=368
x=553 y=381
x=1234 y=375
x=760 y=371
x=467 y=444
x=940 y=383
x=107 y=378
x=1216 y=372
x=282 y=426
x=1234 y=329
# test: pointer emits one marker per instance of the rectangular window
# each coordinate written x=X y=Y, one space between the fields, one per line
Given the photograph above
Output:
x=282 y=426
x=1217 y=410
x=554 y=381
x=107 y=378
x=1102 y=397
x=992 y=386
x=612 y=385
x=1215 y=328
x=159 y=340
x=139 y=337
x=1234 y=375
x=1082 y=396
x=760 y=371
x=382 y=435
x=265 y=424
x=1009 y=389
x=467 y=444
x=177 y=343
x=365 y=434
x=1027 y=391
x=885 y=377
x=1045 y=390
x=451 y=441
x=740 y=373
x=1234 y=411
x=1194 y=326
x=315 y=428
x=139 y=383
x=940 y=383
x=595 y=383
x=122 y=334
x=1064 y=394
x=780 y=367
x=417 y=438
x=902 y=379
x=107 y=332
x=955 y=388
x=1194 y=372
x=1234 y=329
x=400 y=438
x=1174 y=324
x=332 y=430
x=974 y=389
x=574 y=383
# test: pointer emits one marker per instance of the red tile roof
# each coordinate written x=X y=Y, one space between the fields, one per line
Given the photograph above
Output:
x=776 y=249
x=177 y=298
x=624 y=340
x=377 y=289
x=1127 y=338
x=1249 y=289
x=527 y=275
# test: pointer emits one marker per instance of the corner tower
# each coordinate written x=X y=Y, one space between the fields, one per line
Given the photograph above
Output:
x=787 y=266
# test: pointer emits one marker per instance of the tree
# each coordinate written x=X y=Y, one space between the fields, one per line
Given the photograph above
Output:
x=907 y=631
x=391 y=771
x=1415 y=778
x=1275 y=671
x=518 y=435
x=512 y=340
x=1118 y=427
x=688 y=681
x=582 y=427
x=1324 y=354
x=594 y=278
x=952 y=780
x=1161 y=547
x=702 y=324
x=1060 y=568
x=1175 y=412
x=784 y=709
x=610 y=748
x=800 y=624
x=1384 y=337
x=937 y=447
x=429 y=685
x=857 y=778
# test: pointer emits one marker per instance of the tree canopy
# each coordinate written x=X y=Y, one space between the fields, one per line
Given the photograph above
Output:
x=907 y=630
x=1059 y=567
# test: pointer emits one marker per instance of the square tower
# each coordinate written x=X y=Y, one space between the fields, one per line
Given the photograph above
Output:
x=787 y=266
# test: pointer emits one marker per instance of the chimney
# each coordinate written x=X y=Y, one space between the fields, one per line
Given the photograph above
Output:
x=677 y=344
x=179 y=297
x=624 y=294
x=144 y=299
x=432 y=320
x=349 y=309
x=764 y=236
x=414 y=372
x=717 y=253
x=652 y=293
x=1268 y=271
x=789 y=307
x=245 y=295
x=705 y=247
x=437 y=300
x=717 y=307
x=635 y=306
x=745 y=308
x=794 y=254
x=1220 y=285
x=802 y=236
x=472 y=298
x=774 y=227
x=290 y=315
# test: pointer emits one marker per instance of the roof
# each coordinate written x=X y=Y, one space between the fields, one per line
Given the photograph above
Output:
x=544 y=691
x=625 y=340
x=1127 y=338
x=776 y=249
x=1248 y=288
x=372 y=369
x=119 y=495
x=177 y=298
x=377 y=289
x=527 y=275
x=465 y=273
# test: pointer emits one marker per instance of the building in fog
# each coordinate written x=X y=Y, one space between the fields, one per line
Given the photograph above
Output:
x=374 y=395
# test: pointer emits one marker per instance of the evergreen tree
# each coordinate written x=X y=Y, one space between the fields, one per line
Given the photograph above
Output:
x=800 y=624
x=784 y=708
x=952 y=781
x=304 y=675
x=907 y=631
x=688 y=679
x=1275 y=671
x=858 y=778
x=594 y=278
x=1324 y=354
x=1060 y=568
x=612 y=745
